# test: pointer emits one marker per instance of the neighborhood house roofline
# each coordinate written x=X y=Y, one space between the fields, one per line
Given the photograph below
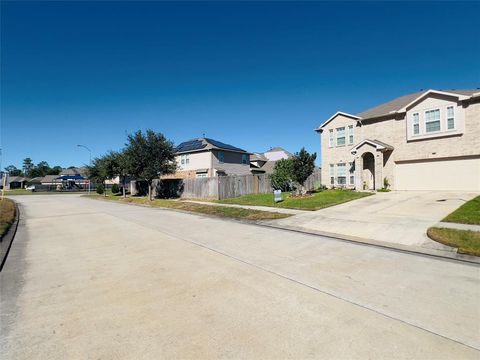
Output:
x=379 y=145
x=401 y=105
x=355 y=117
x=428 y=92
x=206 y=144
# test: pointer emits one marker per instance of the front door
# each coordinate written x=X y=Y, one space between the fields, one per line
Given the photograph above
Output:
x=368 y=173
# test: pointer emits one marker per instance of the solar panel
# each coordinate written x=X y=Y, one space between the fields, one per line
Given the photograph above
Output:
x=190 y=145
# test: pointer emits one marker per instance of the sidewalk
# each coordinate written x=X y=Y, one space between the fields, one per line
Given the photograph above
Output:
x=251 y=207
x=458 y=226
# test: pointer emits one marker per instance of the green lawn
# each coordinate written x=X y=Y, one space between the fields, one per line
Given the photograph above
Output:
x=467 y=242
x=220 y=211
x=317 y=201
x=7 y=215
x=468 y=213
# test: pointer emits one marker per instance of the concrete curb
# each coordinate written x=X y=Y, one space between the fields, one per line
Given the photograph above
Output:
x=7 y=239
x=457 y=226
x=414 y=250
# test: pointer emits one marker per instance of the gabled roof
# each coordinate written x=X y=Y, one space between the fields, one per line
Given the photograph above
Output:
x=379 y=145
x=401 y=103
x=354 y=117
x=258 y=157
x=203 y=144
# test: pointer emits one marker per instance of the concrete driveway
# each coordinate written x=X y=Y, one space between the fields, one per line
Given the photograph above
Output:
x=87 y=279
x=397 y=217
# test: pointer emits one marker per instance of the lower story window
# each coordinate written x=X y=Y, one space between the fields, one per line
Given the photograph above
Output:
x=351 y=171
x=341 y=174
x=332 y=180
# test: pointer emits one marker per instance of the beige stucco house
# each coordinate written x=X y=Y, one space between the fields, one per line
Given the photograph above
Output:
x=206 y=157
x=428 y=140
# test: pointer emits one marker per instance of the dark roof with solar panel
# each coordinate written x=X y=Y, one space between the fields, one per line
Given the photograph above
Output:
x=204 y=144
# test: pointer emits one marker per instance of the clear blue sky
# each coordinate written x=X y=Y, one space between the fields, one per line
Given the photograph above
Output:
x=254 y=75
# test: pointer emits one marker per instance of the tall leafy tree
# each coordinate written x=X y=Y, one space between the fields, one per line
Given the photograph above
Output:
x=303 y=166
x=282 y=176
x=148 y=156
x=55 y=170
x=42 y=168
x=13 y=171
x=27 y=166
x=116 y=164
x=98 y=170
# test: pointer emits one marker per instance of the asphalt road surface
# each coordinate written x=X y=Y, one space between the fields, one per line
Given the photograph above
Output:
x=88 y=279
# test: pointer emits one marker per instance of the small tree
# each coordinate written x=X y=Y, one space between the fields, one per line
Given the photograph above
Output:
x=98 y=172
x=148 y=156
x=282 y=176
x=100 y=189
x=303 y=166
x=115 y=189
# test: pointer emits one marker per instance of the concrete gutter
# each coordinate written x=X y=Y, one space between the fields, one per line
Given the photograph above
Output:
x=452 y=255
x=251 y=207
x=7 y=239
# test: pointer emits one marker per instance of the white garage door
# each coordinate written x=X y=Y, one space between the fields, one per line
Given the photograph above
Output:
x=463 y=174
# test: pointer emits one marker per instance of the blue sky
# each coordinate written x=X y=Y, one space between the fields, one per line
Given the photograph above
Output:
x=254 y=75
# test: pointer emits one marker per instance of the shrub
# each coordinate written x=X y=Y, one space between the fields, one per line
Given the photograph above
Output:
x=100 y=189
x=115 y=189
x=282 y=175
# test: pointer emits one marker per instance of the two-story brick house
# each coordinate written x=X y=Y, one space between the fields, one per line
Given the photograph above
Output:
x=428 y=140
x=206 y=157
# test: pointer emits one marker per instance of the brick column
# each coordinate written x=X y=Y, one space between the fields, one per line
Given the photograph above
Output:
x=378 y=170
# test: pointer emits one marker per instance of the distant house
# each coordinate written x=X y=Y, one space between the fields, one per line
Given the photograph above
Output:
x=206 y=157
x=16 y=182
x=263 y=163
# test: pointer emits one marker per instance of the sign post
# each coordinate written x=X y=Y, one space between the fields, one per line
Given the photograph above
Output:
x=277 y=195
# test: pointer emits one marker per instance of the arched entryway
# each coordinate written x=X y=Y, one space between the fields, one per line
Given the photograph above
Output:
x=368 y=172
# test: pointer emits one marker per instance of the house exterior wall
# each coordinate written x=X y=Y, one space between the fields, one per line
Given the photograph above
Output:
x=337 y=154
x=232 y=164
x=397 y=131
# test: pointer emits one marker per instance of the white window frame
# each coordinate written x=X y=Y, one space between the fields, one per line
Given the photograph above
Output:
x=221 y=157
x=428 y=122
x=344 y=136
x=332 y=174
x=350 y=134
x=452 y=117
x=351 y=177
x=330 y=138
x=184 y=159
x=344 y=166
x=415 y=122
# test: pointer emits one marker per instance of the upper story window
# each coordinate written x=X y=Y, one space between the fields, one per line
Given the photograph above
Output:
x=341 y=136
x=330 y=138
x=221 y=157
x=432 y=120
x=416 y=124
x=350 y=134
x=450 y=118
x=244 y=159
x=184 y=160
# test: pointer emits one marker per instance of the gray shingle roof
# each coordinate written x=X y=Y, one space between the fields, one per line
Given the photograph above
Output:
x=204 y=144
x=402 y=101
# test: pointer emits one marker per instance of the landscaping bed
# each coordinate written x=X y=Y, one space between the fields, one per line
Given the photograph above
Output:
x=220 y=211
x=467 y=241
x=468 y=213
x=7 y=215
x=315 y=201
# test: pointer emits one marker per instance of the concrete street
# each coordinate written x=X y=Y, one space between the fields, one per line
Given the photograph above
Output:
x=397 y=217
x=92 y=279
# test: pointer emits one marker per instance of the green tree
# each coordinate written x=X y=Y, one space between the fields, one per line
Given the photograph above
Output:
x=28 y=165
x=42 y=168
x=55 y=170
x=13 y=171
x=303 y=166
x=98 y=172
x=148 y=156
x=116 y=164
x=282 y=176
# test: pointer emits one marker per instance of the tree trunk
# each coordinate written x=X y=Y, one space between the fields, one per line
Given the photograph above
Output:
x=123 y=185
x=104 y=189
x=150 y=190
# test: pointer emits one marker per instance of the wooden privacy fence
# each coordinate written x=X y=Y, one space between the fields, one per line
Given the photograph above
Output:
x=221 y=187
x=224 y=187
